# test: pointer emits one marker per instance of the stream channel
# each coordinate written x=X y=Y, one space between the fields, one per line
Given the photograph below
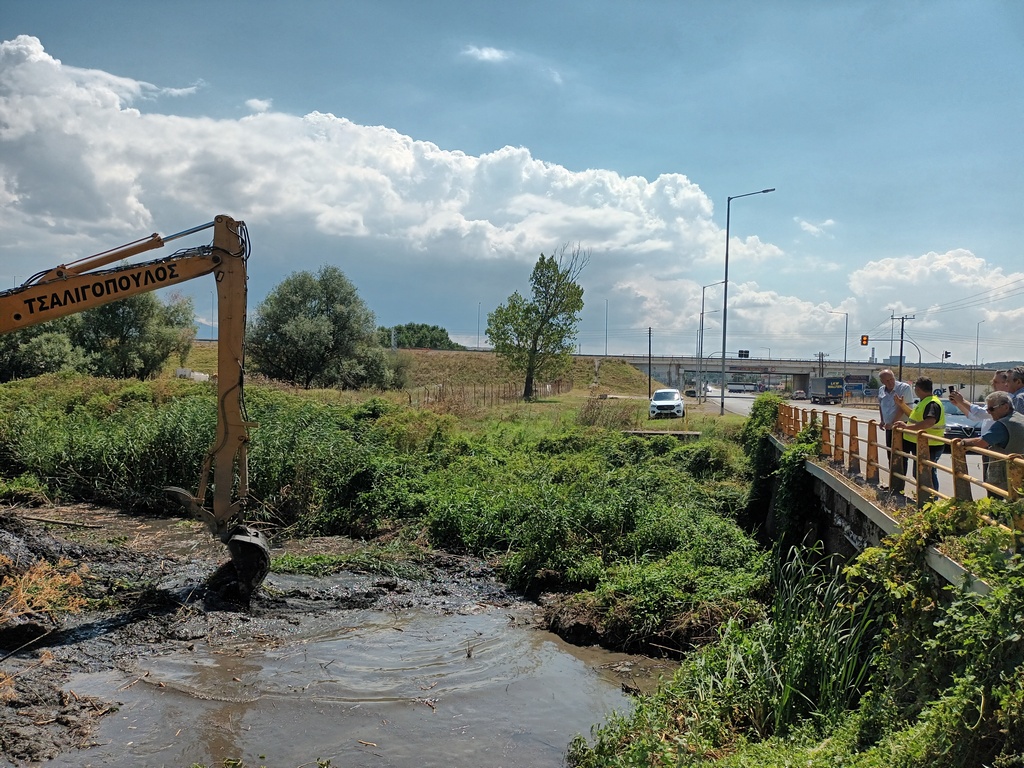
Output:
x=342 y=670
x=482 y=687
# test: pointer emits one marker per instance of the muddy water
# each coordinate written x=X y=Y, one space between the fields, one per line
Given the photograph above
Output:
x=361 y=688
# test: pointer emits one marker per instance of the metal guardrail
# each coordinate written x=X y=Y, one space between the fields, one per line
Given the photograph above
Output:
x=853 y=444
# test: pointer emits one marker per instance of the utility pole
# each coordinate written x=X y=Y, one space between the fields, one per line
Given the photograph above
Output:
x=902 y=320
x=649 y=377
x=821 y=363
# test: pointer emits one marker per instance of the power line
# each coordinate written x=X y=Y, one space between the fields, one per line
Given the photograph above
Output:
x=978 y=299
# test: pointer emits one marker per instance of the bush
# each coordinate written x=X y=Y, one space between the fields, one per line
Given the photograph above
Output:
x=707 y=459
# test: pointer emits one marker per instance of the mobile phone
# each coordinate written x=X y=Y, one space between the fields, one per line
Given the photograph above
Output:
x=952 y=389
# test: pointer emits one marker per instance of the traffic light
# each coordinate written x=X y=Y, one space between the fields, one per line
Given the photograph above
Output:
x=744 y=353
x=864 y=340
x=946 y=354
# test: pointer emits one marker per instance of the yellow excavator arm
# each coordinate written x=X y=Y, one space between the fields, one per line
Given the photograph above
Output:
x=85 y=284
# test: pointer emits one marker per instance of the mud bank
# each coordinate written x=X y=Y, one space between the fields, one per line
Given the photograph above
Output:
x=145 y=581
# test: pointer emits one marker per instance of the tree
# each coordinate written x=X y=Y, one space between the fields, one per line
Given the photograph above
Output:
x=418 y=335
x=536 y=337
x=314 y=330
x=53 y=352
x=38 y=349
x=135 y=336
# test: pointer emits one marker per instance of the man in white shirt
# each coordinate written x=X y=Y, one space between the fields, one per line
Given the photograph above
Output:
x=980 y=413
x=889 y=412
x=1016 y=388
x=1000 y=383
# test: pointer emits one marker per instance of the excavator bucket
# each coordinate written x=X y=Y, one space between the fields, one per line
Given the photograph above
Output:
x=250 y=553
x=251 y=558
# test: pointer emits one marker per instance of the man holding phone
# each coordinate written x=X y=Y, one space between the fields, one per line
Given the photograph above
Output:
x=975 y=412
x=1005 y=434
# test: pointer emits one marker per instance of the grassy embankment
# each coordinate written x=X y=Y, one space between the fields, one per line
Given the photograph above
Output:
x=639 y=535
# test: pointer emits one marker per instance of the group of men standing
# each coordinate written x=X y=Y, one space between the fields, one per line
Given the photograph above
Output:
x=1001 y=418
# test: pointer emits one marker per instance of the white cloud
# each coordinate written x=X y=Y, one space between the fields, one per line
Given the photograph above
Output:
x=486 y=53
x=82 y=168
x=526 y=62
x=922 y=281
x=180 y=92
x=259 y=105
x=818 y=230
x=420 y=230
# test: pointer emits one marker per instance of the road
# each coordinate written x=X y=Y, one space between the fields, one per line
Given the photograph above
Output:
x=741 y=403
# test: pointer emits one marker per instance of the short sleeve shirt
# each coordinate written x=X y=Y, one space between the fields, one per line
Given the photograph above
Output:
x=887 y=403
x=996 y=436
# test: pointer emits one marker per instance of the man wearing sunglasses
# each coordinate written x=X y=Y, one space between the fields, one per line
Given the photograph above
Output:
x=1005 y=434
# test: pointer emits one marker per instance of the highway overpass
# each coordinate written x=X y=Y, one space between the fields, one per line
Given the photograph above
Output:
x=681 y=370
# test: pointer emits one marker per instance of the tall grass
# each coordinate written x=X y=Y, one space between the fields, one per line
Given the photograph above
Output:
x=871 y=665
x=808 y=661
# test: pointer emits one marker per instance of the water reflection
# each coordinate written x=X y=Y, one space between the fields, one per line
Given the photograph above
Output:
x=362 y=688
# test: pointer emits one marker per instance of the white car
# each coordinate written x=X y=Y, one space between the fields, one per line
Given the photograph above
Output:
x=667 y=404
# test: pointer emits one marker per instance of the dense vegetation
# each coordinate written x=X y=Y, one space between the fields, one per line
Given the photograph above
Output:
x=870 y=664
x=787 y=657
x=419 y=335
x=640 y=532
x=130 y=338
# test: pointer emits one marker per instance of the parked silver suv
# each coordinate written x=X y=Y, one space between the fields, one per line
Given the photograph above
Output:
x=667 y=404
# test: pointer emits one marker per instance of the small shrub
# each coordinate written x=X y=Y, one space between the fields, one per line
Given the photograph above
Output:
x=26 y=488
x=610 y=414
x=707 y=459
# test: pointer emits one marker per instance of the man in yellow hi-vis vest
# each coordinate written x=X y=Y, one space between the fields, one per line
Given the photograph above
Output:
x=928 y=415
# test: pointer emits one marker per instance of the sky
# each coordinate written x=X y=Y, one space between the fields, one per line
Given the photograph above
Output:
x=433 y=150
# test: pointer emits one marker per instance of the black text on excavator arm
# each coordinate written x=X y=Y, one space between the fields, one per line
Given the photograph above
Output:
x=85 y=284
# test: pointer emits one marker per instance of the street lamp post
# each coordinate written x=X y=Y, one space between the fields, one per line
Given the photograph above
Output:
x=977 y=348
x=920 y=365
x=846 y=337
x=703 y=370
x=700 y=343
x=725 y=283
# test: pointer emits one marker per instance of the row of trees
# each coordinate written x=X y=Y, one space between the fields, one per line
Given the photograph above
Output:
x=312 y=330
x=417 y=336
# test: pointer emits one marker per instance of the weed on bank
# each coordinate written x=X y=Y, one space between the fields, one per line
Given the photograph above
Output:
x=639 y=534
x=867 y=664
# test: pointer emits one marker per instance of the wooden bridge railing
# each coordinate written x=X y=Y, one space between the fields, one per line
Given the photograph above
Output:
x=853 y=444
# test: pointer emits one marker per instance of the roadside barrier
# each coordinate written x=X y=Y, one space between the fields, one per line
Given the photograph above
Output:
x=851 y=444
